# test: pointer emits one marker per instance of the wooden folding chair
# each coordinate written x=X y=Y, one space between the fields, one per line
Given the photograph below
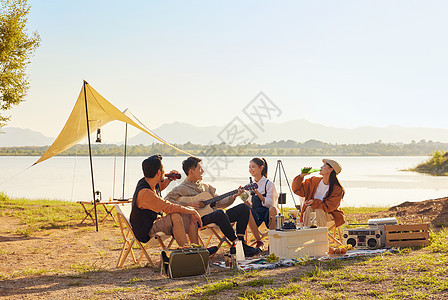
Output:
x=210 y=231
x=333 y=237
x=129 y=239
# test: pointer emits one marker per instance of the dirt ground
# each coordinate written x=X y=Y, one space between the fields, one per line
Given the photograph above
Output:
x=80 y=263
x=434 y=211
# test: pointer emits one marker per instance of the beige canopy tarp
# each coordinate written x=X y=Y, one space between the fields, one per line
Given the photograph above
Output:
x=100 y=113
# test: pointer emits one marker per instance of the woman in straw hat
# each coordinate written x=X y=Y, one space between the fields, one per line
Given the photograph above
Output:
x=323 y=195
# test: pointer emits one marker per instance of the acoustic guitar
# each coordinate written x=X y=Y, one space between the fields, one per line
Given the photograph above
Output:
x=205 y=198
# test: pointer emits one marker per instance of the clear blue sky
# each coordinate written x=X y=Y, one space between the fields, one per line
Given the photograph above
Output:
x=338 y=63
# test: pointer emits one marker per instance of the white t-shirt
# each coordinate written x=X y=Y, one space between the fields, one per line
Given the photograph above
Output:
x=321 y=191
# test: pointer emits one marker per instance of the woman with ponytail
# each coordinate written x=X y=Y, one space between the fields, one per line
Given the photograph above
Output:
x=263 y=200
x=323 y=195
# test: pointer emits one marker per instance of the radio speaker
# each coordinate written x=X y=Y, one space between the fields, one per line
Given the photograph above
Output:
x=362 y=238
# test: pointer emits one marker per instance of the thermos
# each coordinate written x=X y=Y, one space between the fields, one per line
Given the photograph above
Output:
x=279 y=220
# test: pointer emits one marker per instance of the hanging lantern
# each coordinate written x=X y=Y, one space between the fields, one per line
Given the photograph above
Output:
x=98 y=135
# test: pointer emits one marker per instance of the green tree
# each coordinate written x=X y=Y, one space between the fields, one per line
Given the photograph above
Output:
x=16 y=48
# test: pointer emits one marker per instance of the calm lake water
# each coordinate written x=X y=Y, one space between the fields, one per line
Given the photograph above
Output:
x=368 y=181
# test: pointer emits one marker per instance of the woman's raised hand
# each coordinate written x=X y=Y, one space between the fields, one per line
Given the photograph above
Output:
x=304 y=171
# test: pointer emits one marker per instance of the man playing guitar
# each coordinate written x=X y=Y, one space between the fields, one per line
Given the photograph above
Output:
x=192 y=186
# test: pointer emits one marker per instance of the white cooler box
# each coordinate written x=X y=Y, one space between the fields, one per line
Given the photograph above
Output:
x=299 y=243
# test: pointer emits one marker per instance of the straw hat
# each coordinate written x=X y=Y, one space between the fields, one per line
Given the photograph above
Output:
x=334 y=164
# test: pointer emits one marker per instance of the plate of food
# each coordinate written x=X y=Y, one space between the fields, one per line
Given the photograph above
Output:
x=341 y=250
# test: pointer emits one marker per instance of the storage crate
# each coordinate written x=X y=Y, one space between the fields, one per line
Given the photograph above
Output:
x=299 y=243
x=407 y=235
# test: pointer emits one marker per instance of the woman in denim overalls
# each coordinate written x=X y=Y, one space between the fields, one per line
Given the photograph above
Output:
x=264 y=200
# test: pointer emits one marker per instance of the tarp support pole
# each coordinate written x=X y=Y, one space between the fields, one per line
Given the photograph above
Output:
x=90 y=155
x=124 y=158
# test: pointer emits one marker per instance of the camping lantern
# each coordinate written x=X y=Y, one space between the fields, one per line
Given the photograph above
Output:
x=98 y=197
x=98 y=135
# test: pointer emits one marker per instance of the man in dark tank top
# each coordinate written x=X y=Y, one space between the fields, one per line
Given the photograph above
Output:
x=148 y=205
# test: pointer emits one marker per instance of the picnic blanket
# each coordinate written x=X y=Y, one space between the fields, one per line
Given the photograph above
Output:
x=261 y=263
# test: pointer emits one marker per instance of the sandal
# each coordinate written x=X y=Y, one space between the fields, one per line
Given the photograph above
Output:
x=259 y=244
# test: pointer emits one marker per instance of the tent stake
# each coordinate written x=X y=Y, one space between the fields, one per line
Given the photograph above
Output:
x=90 y=155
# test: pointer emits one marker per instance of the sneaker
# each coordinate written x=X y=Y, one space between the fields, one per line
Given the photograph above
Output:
x=212 y=250
x=248 y=250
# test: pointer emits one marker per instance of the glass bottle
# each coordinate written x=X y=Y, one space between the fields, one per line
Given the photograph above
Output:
x=309 y=170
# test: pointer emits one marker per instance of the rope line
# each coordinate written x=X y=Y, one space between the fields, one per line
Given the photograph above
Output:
x=20 y=172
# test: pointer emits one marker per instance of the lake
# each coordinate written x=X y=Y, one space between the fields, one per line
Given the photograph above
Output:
x=368 y=181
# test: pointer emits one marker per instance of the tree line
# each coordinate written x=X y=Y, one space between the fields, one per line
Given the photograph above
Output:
x=276 y=148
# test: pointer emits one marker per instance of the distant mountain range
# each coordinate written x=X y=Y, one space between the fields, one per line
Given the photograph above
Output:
x=18 y=137
x=297 y=130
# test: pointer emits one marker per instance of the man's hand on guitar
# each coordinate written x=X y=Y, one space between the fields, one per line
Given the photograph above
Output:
x=197 y=205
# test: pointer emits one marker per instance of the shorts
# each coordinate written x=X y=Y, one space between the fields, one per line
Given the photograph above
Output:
x=165 y=225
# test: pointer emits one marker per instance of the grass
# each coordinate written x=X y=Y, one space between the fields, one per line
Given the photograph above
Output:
x=363 y=210
x=115 y=290
x=26 y=272
x=134 y=280
x=409 y=273
x=272 y=293
x=260 y=282
x=214 y=288
x=439 y=241
x=88 y=267
x=41 y=214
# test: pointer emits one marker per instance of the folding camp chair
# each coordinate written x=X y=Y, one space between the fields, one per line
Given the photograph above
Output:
x=263 y=232
x=212 y=230
x=123 y=215
x=332 y=236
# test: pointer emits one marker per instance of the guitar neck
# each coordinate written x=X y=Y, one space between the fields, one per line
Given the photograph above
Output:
x=213 y=200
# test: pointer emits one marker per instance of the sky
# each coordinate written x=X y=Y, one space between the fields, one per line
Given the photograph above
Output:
x=338 y=63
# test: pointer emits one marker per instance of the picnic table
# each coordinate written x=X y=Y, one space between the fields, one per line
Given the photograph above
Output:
x=108 y=206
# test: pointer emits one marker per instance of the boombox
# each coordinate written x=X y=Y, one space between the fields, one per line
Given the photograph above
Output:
x=363 y=238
